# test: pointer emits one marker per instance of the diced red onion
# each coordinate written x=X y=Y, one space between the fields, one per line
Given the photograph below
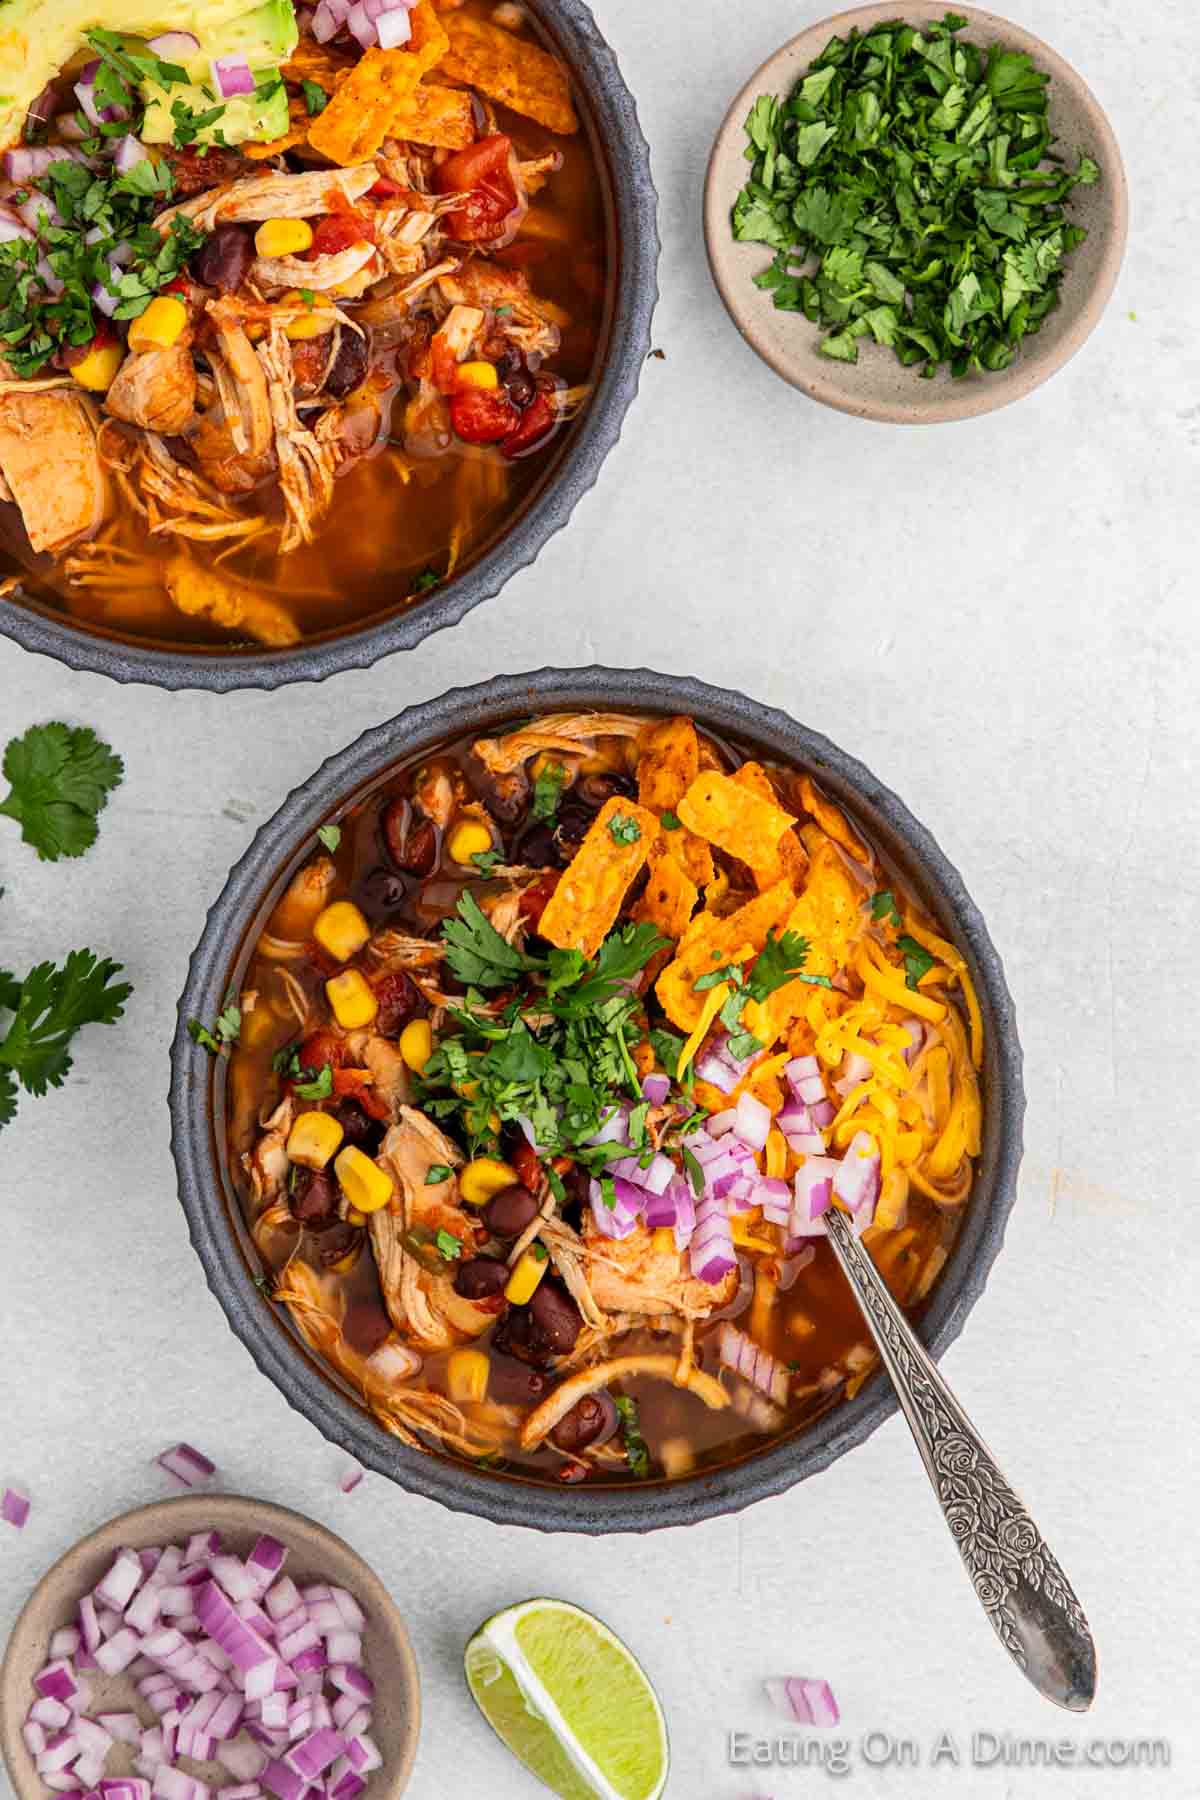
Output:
x=710 y=1253
x=324 y=23
x=758 y=1367
x=360 y=26
x=351 y=1479
x=916 y=1039
x=174 y=46
x=753 y=1121
x=392 y=28
x=30 y=163
x=246 y=1790
x=65 y=1642
x=721 y=1122
x=283 y=1781
x=611 y=1221
x=855 y=1070
x=803 y=1699
x=122 y=1581
x=51 y=1714
x=615 y=1126
x=283 y=1599
x=129 y=152
x=125 y=1727
x=14 y=1507
x=12 y=228
x=188 y=1466
x=823 y=1114
x=813 y=1191
x=857 y=1180
x=655 y=1089
x=56 y=1681
x=717 y=1073
x=706 y=1150
x=232 y=76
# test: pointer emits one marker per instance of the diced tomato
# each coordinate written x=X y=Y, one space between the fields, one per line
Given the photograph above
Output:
x=535 y=899
x=319 y=1048
x=486 y=173
x=529 y=1170
x=484 y=416
x=385 y=189
x=338 y=231
x=358 y=1085
x=536 y=424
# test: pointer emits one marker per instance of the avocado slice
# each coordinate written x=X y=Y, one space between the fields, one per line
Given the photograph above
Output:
x=38 y=38
x=245 y=120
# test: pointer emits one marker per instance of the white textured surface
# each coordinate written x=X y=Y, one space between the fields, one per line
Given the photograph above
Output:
x=1000 y=618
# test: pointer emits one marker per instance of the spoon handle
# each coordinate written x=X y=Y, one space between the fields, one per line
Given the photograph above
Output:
x=1029 y=1601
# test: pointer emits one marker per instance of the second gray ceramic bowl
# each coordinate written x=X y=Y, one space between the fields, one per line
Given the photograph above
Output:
x=609 y=115
x=878 y=386
x=212 y=1208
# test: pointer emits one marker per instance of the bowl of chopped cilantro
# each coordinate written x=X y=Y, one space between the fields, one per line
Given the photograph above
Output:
x=522 y=1053
x=916 y=215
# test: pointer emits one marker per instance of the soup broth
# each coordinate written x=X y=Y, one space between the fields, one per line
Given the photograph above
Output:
x=676 y=1356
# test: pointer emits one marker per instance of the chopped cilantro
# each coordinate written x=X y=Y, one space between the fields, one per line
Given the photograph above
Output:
x=486 y=860
x=436 y=1173
x=911 y=192
x=623 y=829
x=315 y=98
x=637 y=1454
x=671 y=822
x=477 y=953
x=426 y=579
x=547 y=791
x=917 y=960
x=538 y=1252
x=226 y=1030
x=884 y=908
x=330 y=836
x=449 y=1245
x=319 y=1087
x=189 y=122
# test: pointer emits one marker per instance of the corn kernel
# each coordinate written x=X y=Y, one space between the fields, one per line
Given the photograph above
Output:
x=352 y=999
x=161 y=325
x=98 y=369
x=317 y=316
x=283 y=237
x=362 y=1181
x=467 y=1377
x=469 y=839
x=416 y=1044
x=531 y=1265
x=341 y=929
x=483 y=1177
x=313 y=1139
x=478 y=375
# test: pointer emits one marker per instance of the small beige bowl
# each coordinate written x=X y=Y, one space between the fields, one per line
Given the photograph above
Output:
x=878 y=386
x=315 y=1555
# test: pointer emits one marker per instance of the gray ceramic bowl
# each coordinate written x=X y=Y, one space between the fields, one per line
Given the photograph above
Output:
x=878 y=386
x=197 y=1097
x=610 y=117
x=314 y=1555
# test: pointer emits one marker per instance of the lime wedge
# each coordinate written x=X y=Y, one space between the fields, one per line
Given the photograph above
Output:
x=570 y=1701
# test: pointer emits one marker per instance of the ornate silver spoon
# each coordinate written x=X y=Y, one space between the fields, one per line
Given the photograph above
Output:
x=1029 y=1601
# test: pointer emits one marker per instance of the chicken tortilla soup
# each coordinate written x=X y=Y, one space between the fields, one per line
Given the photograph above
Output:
x=295 y=306
x=549 y=1063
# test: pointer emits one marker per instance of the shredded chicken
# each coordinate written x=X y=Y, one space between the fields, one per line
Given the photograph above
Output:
x=565 y=732
x=231 y=604
x=319 y=275
x=51 y=466
x=155 y=389
x=271 y=196
x=306 y=468
x=637 y=1274
x=242 y=385
x=542 y=1420
x=267 y=1164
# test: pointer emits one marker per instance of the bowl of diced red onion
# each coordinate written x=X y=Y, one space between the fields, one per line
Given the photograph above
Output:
x=210 y=1646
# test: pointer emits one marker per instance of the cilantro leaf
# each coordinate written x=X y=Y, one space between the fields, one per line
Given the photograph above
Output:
x=547 y=791
x=637 y=1454
x=917 y=960
x=623 y=829
x=436 y=1173
x=449 y=1245
x=884 y=908
x=671 y=822
x=486 y=860
x=478 y=954
x=226 y=1030
x=8 y=1098
x=330 y=836
x=61 y=777
x=318 y=1088
x=778 y=962
x=621 y=956
x=315 y=98
x=54 y=1003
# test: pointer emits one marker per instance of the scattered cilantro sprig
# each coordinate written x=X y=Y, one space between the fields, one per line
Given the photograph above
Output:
x=637 y=1454
x=779 y=961
x=226 y=1029
x=61 y=777
x=910 y=190
x=47 y=1009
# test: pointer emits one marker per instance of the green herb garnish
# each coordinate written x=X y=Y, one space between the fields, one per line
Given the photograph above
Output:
x=478 y=954
x=547 y=791
x=61 y=778
x=189 y=123
x=425 y=580
x=48 y=1008
x=226 y=1029
x=671 y=822
x=436 y=1173
x=315 y=98
x=623 y=829
x=637 y=1454
x=449 y=1245
x=330 y=836
x=884 y=908
x=319 y=1087
x=917 y=960
x=486 y=860
x=909 y=188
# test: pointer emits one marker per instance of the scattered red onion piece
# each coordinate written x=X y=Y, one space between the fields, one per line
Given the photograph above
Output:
x=804 y=1699
x=351 y=1479
x=14 y=1508
x=188 y=1466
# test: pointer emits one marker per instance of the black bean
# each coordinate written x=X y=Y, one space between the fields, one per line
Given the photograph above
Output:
x=513 y=1383
x=411 y=846
x=481 y=1278
x=314 y=1198
x=380 y=893
x=366 y=1326
x=574 y=822
x=537 y=849
x=555 y=1316
x=584 y=1423
x=358 y=1127
x=349 y=364
x=594 y=790
x=508 y=1213
x=223 y=259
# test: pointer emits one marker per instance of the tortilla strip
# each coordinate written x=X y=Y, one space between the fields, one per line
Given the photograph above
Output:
x=439 y=116
x=511 y=70
x=670 y=897
x=359 y=116
x=710 y=941
x=833 y=822
x=311 y=61
x=557 y=1405
x=584 y=906
x=736 y=820
x=829 y=915
x=791 y=858
x=668 y=763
